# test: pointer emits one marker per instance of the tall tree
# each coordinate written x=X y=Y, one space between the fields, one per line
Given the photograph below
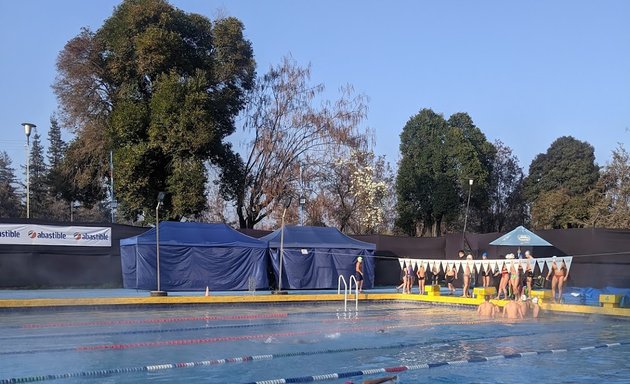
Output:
x=610 y=202
x=473 y=155
x=508 y=207
x=58 y=189
x=161 y=88
x=10 y=205
x=438 y=158
x=289 y=124
x=559 y=182
x=39 y=198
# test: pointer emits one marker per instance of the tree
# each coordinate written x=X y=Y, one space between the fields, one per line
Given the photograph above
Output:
x=288 y=128
x=57 y=187
x=437 y=160
x=508 y=207
x=559 y=182
x=161 y=89
x=610 y=202
x=10 y=205
x=39 y=198
x=353 y=194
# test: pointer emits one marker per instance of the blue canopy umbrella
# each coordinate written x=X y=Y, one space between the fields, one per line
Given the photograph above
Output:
x=521 y=236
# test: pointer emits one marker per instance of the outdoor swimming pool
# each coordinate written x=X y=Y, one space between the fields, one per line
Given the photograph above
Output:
x=242 y=344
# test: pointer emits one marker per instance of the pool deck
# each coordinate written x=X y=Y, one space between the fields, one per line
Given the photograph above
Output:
x=139 y=298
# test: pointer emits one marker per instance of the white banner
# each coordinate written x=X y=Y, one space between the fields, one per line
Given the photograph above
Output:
x=31 y=234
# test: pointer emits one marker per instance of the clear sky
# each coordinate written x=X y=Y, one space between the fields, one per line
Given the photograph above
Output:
x=527 y=72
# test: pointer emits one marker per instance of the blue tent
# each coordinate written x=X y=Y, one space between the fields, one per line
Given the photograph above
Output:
x=194 y=256
x=315 y=257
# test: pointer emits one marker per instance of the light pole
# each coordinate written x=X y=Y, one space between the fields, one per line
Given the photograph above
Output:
x=470 y=183
x=284 y=211
x=27 y=130
x=160 y=200
x=302 y=203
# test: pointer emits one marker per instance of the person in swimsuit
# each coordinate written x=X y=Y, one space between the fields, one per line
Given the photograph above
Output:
x=487 y=309
x=421 y=275
x=358 y=273
x=558 y=277
x=514 y=280
x=528 y=276
x=505 y=278
x=467 y=274
x=409 y=277
x=485 y=274
x=436 y=274
x=450 y=278
x=511 y=310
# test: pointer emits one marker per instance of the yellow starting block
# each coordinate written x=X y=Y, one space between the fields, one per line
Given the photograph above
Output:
x=482 y=291
x=610 y=301
x=542 y=294
x=432 y=290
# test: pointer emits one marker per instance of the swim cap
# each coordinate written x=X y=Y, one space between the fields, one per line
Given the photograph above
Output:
x=524 y=297
x=359 y=258
x=535 y=300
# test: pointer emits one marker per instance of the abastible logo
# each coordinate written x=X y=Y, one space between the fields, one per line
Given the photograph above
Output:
x=32 y=234
x=524 y=238
x=10 y=234
x=88 y=236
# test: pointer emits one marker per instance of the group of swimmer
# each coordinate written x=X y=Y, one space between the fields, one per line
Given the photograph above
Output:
x=514 y=280
x=513 y=309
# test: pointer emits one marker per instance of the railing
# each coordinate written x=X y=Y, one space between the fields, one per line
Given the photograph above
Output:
x=347 y=289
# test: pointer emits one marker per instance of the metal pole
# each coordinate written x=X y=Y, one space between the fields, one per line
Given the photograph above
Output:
x=470 y=183
x=27 y=130
x=28 y=179
x=281 y=250
x=157 y=243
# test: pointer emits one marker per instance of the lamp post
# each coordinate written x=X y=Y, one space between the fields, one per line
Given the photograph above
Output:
x=160 y=200
x=470 y=183
x=302 y=203
x=27 y=130
x=284 y=211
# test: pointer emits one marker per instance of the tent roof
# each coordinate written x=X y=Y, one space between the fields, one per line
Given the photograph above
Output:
x=521 y=236
x=314 y=237
x=196 y=234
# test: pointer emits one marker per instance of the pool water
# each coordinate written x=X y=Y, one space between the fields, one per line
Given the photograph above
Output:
x=304 y=340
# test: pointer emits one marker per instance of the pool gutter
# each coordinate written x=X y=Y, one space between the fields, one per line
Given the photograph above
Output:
x=17 y=304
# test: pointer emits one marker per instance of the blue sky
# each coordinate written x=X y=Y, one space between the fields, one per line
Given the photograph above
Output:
x=527 y=72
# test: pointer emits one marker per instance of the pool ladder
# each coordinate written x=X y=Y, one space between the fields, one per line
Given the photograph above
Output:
x=348 y=289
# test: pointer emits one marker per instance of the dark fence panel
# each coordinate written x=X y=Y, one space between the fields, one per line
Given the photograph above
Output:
x=40 y=266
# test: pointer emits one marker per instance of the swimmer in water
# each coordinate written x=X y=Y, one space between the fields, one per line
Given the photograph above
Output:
x=487 y=309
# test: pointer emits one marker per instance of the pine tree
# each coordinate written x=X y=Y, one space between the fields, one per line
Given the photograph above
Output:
x=39 y=199
x=9 y=200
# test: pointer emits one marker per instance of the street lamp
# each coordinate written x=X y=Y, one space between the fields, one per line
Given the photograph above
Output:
x=302 y=203
x=284 y=211
x=470 y=183
x=27 y=130
x=160 y=200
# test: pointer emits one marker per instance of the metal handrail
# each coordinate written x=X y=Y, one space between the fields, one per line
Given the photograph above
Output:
x=345 y=291
x=356 y=292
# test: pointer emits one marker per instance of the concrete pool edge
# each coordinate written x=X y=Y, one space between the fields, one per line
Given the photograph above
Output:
x=41 y=303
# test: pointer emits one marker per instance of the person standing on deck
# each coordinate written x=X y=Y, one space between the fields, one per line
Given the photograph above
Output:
x=358 y=273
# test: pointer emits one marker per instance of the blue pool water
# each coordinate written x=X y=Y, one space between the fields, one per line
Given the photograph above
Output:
x=303 y=340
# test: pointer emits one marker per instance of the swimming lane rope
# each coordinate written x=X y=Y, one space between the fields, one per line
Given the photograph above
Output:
x=304 y=379
x=402 y=368
x=207 y=340
x=158 y=321
x=240 y=359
